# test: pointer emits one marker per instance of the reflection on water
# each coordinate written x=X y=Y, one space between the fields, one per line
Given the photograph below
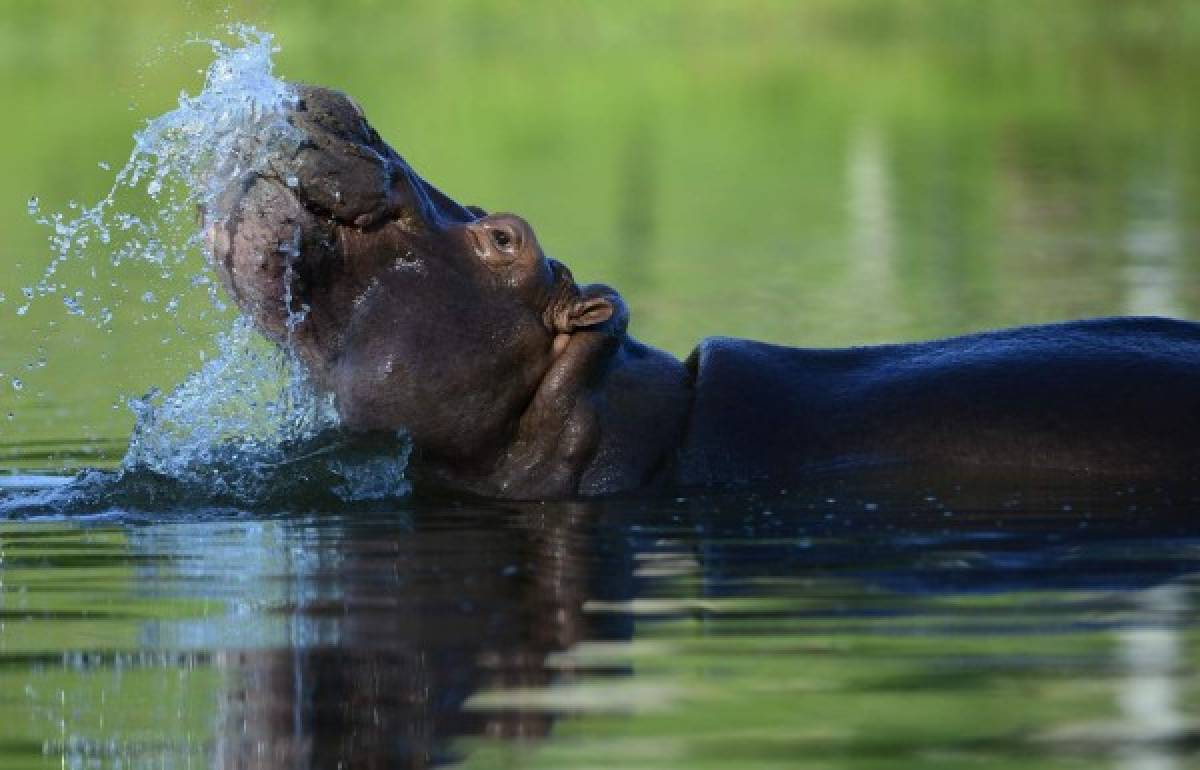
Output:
x=871 y=225
x=1150 y=700
x=852 y=622
x=1153 y=242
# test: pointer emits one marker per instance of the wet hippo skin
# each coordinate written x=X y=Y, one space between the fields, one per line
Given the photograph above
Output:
x=423 y=315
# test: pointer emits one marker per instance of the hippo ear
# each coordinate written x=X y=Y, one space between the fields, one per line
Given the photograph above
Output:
x=586 y=312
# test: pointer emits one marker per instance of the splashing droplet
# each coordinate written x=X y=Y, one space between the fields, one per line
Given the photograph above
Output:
x=73 y=306
x=181 y=160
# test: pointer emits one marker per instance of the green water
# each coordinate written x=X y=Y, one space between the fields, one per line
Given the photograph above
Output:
x=856 y=624
x=822 y=172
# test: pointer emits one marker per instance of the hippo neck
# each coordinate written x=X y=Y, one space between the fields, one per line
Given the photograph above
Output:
x=607 y=417
x=642 y=403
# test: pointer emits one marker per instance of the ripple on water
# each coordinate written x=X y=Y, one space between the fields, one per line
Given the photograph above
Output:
x=442 y=630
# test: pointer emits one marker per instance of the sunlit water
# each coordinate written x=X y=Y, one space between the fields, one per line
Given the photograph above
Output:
x=248 y=590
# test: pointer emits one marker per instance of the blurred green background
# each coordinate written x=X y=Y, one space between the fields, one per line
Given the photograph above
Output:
x=823 y=172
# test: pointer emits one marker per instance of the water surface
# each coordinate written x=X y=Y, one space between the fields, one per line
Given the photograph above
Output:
x=859 y=622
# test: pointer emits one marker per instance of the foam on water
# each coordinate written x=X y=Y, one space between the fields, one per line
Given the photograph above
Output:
x=248 y=426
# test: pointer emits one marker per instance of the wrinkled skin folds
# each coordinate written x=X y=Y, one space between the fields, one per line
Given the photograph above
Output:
x=424 y=315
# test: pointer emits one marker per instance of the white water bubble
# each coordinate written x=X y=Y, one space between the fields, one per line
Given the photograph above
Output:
x=17 y=384
x=34 y=206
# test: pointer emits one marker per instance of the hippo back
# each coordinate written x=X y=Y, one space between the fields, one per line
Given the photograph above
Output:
x=1118 y=395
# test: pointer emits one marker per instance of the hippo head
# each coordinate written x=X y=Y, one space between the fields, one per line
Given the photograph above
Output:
x=416 y=312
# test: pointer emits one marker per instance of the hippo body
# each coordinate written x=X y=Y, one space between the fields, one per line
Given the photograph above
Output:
x=1113 y=395
x=422 y=315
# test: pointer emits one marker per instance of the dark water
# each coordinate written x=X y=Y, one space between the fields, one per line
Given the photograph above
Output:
x=850 y=622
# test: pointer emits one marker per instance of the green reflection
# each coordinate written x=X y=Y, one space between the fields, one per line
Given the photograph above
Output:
x=1011 y=680
x=81 y=679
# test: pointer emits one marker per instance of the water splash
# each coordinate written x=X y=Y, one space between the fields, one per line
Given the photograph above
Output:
x=240 y=408
x=249 y=424
x=248 y=428
x=180 y=162
x=245 y=431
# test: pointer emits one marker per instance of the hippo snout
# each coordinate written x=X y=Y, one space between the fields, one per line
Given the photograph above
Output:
x=311 y=229
x=342 y=169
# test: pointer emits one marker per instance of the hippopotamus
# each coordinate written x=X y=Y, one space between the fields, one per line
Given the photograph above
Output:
x=422 y=315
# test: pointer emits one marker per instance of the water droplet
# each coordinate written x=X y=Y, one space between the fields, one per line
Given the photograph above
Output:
x=17 y=384
x=104 y=166
x=148 y=297
x=73 y=306
x=34 y=205
x=293 y=182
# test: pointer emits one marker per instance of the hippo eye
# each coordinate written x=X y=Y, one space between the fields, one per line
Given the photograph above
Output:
x=502 y=240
